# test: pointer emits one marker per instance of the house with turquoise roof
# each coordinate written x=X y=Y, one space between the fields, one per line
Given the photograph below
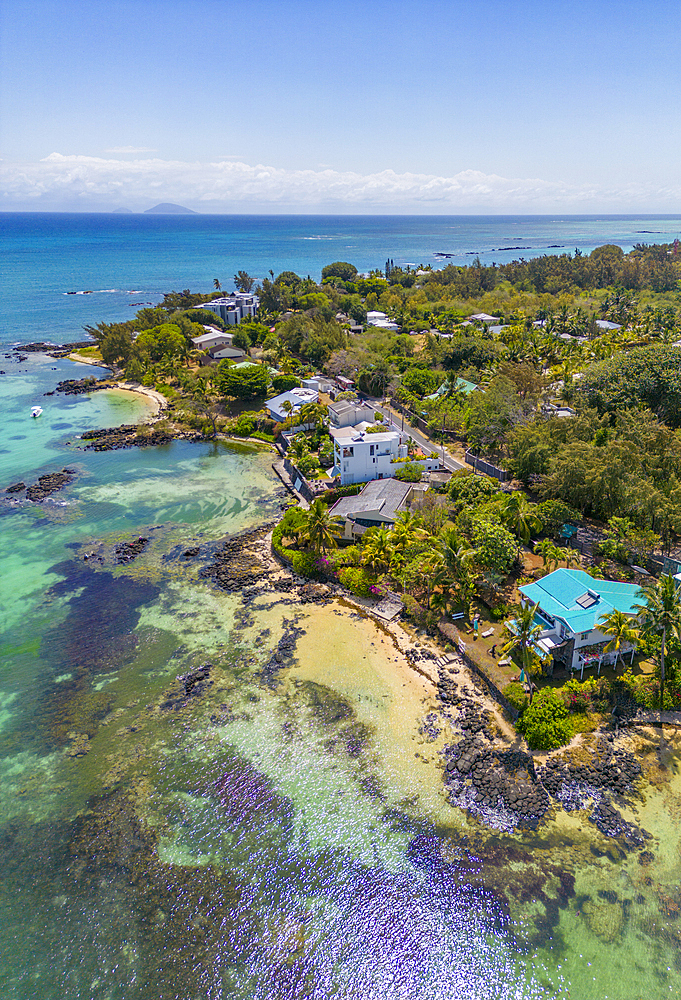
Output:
x=461 y=385
x=568 y=605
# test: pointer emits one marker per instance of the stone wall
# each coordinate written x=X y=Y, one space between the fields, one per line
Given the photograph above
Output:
x=492 y=683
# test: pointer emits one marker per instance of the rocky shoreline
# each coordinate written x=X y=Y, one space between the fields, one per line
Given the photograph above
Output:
x=495 y=779
x=135 y=436
x=80 y=386
x=41 y=347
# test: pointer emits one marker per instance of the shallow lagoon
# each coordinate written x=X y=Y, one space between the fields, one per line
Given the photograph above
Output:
x=285 y=839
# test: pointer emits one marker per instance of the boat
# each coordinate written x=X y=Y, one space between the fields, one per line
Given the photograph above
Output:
x=36 y=411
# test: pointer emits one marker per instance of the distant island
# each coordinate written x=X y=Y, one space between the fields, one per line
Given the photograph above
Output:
x=167 y=208
x=123 y=211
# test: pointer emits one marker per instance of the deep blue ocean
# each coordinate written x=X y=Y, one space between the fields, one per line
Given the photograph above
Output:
x=125 y=260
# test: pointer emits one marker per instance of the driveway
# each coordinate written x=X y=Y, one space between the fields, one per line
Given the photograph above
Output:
x=395 y=421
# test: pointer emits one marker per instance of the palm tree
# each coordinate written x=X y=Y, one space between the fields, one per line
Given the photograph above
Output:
x=569 y=556
x=522 y=636
x=456 y=556
x=549 y=553
x=406 y=532
x=217 y=284
x=377 y=550
x=321 y=530
x=287 y=407
x=660 y=612
x=619 y=626
x=520 y=515
x=299 y=447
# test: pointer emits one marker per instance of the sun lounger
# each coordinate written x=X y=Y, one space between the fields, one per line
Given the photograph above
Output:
x=488 y=632
x=506 y=662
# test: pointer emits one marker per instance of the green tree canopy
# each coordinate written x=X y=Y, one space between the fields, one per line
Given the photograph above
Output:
x=284 y=382
x=545 y=723
x=243 y=281
x=242 y=383
x=421 y=381
x=340 y=269
x=161 y=341
x=471 y=490
x=496 y=548
x=643 y=377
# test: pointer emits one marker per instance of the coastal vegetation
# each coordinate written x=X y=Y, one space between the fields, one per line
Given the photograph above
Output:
x=562 y=370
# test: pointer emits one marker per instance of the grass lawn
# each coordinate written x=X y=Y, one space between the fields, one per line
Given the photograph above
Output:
x=93 y=353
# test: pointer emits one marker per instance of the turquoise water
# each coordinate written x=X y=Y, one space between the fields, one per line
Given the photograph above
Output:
x=279 y=838
x=128 y=260
x=286 y=835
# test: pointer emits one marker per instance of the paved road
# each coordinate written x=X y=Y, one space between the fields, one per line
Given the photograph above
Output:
x=425 y=443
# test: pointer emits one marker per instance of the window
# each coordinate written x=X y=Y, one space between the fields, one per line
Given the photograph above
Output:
x=371 y=449
x=584 y=636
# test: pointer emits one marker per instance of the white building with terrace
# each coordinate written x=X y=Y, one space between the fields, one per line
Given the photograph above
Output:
x=233 y=308
x=360 y=456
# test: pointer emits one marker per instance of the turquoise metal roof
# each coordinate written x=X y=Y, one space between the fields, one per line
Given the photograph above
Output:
x=557 y=593
x=461 y=383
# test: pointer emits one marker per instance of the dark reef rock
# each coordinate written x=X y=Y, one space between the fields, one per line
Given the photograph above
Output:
x=241 y=560
x=193 y=681
x=503 y=789
x=133 y=436
x=48 y=484
x=127 y=551
x=81 y=386
x=43 y=348
x=16 y=488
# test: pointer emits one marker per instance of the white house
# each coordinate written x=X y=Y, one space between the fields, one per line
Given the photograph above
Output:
x=380 y=319
x=233 y=308
x=319 y=382
x=347 y=414
x=568 y=605
x=297 y=397
x=221 y=351
x=483 y=318
x=359 y=457
x=212 y=338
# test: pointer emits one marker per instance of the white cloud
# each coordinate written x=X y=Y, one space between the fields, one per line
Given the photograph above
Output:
x=225 y=185
x=130 y=149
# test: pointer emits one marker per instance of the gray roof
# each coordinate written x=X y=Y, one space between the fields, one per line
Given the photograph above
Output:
x=385 y=495
x=342 y=406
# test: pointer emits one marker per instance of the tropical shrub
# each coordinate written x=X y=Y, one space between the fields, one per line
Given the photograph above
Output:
x=293 y=520
x=471 y=490
x=331 y=496
x=243 y=427
x=545 y=723
x=356 y=580
x=284 y=382
x=409 y=472
x=305 y=564
x=308 y=464
x=242 y=383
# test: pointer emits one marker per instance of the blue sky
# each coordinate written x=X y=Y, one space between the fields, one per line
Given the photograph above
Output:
x=432 y=107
